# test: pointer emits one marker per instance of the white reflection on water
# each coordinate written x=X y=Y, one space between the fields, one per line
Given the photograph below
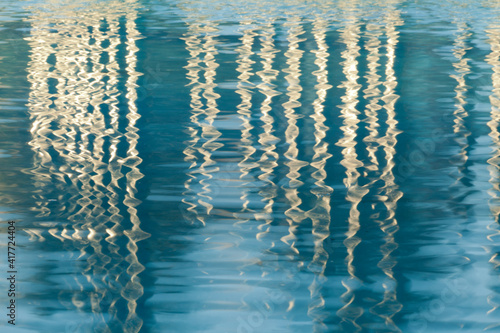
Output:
x=86 y=162
x=294 y=214
x=269 y=157
x=320 y=213
x=375 y=170
x=462 y=69
x=350 y=35
x=201 y=67
x=494 y=60
x=389 y=193
x=245 y=90
x=280 y=144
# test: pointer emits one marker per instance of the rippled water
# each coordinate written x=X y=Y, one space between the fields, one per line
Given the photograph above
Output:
x=250 y=166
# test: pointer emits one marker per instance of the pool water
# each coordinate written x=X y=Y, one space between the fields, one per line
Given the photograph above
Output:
x=251 y=166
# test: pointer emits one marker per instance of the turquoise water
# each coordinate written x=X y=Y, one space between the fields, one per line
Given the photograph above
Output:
x=247 y=166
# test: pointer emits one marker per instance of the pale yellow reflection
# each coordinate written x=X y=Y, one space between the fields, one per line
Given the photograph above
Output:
x=462 y=68
x=389 y=193
x=373 y=92
x=86 y=166
x=201 y=44
x=493 y=59
x=320 y=213
x=269 y=158
x=294 y=215
x=350 y=37
x=245 y=89
x=267 y=140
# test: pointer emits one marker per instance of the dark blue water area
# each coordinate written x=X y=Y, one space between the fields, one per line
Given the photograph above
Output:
x=195 y=166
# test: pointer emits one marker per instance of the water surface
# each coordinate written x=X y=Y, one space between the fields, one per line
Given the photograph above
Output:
x=248 y=166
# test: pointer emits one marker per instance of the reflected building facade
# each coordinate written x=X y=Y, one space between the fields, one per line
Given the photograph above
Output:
x=86 y=165
x=259 y=155
x=494 y=228
x=291 y=181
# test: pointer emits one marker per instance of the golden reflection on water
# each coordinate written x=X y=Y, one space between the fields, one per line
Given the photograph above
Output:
x=268 y=161
x=380 y=99
x=201 y=44
x=389 y=193
x=494 y=60
x=245 y=89
x=350 y=36
x=294 y=215
x=462 y=69
x=86 y=162
x=320 y=213
x=269 y=158
x=373 y=92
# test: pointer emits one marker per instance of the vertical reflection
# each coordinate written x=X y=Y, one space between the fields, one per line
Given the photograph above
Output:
x=269 y=158
x=294 y=215
x=320 y=213
x=462 y=68
x=389 y=193
x=201 y=44
x=350 y=36
x=244 y=89
x=373 y=93
x=494 y=162
x=133 y=289
x=86 y=162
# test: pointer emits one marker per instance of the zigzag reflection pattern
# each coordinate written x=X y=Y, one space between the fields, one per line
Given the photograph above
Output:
x=86 y=162
x=494 y=60
x=292 y=130
x=203 y=134
x=280 y=115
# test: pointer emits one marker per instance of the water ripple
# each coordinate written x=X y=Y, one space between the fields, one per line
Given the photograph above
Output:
x=82 y=152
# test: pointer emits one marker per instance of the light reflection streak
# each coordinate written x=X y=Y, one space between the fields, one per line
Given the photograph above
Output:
x=294 y=215
x=462 y=69
x=320 y=213
x=494 y=60
x=269 y=158
x=211 y=179
x=389 y=193
x=201 y=40
x=106 y=168
x=350 y=36
x=293 y=55
x=373 y=92
x=83 y=161
x=244 y=89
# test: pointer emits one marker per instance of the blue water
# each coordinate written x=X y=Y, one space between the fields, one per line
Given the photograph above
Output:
x=250 y=166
